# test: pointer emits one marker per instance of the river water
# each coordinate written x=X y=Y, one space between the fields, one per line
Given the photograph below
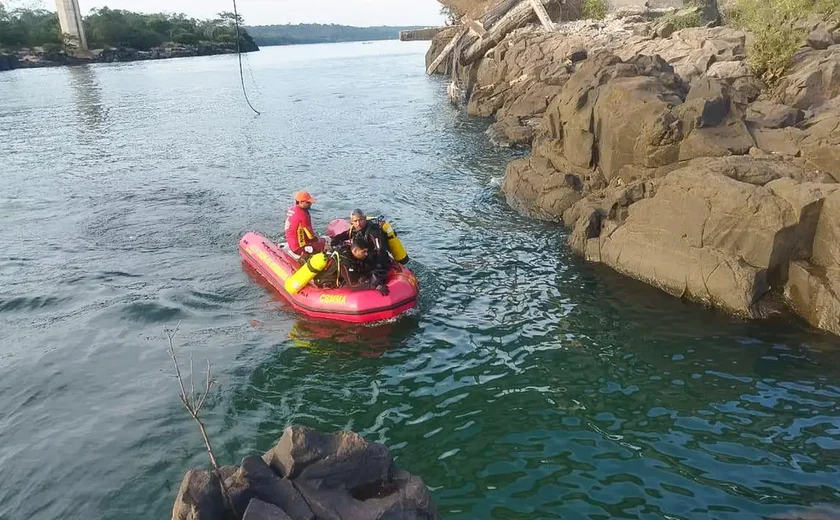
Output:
x=526 y=384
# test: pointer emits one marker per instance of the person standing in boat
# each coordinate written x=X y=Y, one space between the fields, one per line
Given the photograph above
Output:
x=377 y=240
x=300 y=236
x=348 y=266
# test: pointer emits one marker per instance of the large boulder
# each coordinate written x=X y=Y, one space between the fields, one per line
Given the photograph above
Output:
x=814 y=294
x=611 y=114
x=405 y=497
x=813 y=288
x=767 y=114
x=634 y=125
x=807 y=200
x=739 y=76
x=199 y=498
x=779 y=141
x=821 y=143
x=827 y=239
x=820 y=39
x=712 y=122
x=813 y=80
x=708 y=237
x=259 y=510
x=309 y=475
x=342 y=460
x=256 y=480
x=512 y=131
x=535 y=188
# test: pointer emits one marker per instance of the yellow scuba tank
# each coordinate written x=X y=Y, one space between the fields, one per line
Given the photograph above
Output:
x=394 y=245
x=310 y=269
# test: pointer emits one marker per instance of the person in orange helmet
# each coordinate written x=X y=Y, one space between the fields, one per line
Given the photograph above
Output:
x=299 y=233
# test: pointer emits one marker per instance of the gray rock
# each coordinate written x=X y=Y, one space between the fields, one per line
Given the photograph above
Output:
x=820 y=39
x=814 y=294
x=827 y=239
x=199 y=498
x=577 y=55
x=813 y=80
x=535 y=188
x=665 y=30
x=821 y=143
x=255 y=479
x=8 y=62
x=259 y=510
x=406 y=498
x=782 y=141
x=767 y=114
x=342 y=460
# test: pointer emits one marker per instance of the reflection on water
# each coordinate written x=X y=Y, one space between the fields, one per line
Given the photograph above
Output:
x=87 y=98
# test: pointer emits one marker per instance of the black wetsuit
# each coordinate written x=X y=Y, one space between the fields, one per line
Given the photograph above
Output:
x=378 y=256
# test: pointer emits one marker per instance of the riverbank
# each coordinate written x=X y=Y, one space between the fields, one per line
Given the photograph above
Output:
x=39 y=57
x=667 y=158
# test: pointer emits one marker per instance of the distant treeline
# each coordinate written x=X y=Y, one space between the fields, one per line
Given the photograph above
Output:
x=320 y=33
x=117 y=28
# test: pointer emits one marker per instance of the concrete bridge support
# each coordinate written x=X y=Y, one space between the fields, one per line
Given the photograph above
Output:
x=70 y=19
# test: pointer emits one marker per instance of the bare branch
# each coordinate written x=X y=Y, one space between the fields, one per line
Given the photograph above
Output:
x=206 y=389
x=192 y=383
x=183 y=393
x=193 y=405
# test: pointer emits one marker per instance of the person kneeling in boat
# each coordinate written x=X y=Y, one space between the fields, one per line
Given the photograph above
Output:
x=348 y=266
x=300 y=236
x=379 y=257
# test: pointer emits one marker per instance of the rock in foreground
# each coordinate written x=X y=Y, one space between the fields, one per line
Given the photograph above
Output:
x=309 y=476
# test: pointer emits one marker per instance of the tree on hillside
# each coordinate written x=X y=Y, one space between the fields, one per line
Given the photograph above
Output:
x=28 y=28
x=452 y=15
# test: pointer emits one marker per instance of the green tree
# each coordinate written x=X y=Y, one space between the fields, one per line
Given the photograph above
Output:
x=28 y=28
x=118 y=28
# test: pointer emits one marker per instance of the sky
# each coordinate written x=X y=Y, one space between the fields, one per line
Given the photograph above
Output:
x=266 y=12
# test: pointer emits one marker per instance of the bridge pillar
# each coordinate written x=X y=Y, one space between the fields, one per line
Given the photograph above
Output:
x=70 y=19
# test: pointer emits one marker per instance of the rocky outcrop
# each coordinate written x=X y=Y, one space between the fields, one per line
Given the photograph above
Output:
x=8 y=62
x=813 y=288
x=439 y=41
x=814 y=79
x=520 y=77
x=713 y=232
x=309 y=476
x=671 y=162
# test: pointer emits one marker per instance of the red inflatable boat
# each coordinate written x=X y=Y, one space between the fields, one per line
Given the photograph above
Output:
x=273 y=263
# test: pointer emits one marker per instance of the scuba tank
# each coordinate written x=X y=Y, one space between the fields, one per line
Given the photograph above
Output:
x=394 y=245
x=310 y=269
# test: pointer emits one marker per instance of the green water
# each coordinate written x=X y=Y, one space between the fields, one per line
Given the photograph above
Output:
x=526 y=384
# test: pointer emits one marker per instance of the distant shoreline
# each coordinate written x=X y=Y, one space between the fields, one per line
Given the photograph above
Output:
x=303 y=34
x=13 y=59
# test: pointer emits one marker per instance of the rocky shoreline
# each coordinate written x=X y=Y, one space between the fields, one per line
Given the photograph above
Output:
x=308 y=475
x=669 y=160
x=40 y=57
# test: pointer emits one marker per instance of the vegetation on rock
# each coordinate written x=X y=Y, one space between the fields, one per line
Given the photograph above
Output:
x=778 y=31
x=595 y=9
